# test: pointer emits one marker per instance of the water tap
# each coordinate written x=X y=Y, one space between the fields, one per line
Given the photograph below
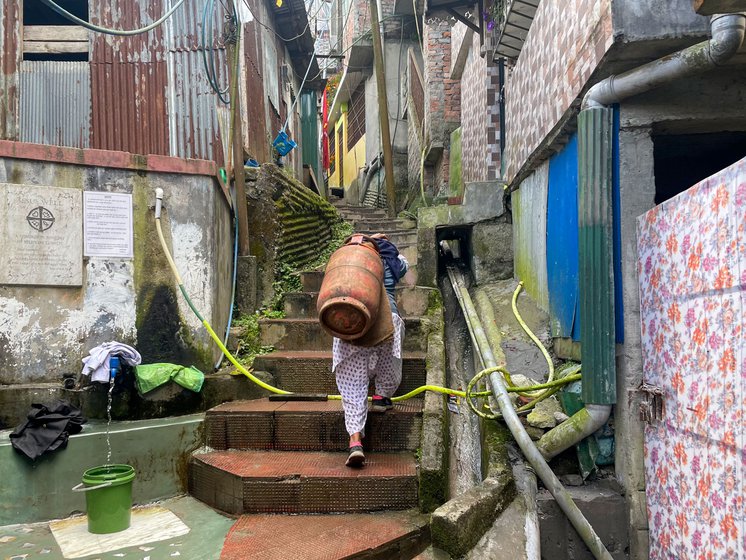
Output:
x=114 y=366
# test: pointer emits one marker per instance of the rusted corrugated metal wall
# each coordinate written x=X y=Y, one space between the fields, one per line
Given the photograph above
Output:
x=55 y=103
x=193 y=122
x=10 y=52
x=257 y=138
x=129 y=79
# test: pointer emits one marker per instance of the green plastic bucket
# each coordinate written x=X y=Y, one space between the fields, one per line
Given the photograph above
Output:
x=108 y=493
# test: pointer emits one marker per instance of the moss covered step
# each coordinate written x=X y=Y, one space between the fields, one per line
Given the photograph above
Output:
x=239 y=482
x=311 y=372
x=306 y=426
x=307 y=334
x=411 y=300
x=375 y=536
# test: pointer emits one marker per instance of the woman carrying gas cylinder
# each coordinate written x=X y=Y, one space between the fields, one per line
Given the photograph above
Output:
x=377 y=355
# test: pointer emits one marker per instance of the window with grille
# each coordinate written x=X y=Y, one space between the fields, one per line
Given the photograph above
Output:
x=356 y=117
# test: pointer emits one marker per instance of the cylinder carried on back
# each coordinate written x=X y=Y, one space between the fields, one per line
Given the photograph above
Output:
x=349 y=299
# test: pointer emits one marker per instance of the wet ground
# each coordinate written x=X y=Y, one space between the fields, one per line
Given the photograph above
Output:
x=199 y=534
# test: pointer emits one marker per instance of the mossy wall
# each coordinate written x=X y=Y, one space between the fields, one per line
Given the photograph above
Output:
x=136 y=301
x=288 y=223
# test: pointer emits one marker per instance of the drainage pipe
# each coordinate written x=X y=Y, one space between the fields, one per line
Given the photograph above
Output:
x=727 y=36
x=595 y=214
x=373 y=168
x=532 y=454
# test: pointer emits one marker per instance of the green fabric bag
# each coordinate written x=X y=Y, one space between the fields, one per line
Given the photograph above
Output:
x=152 y=376
x=190 y=378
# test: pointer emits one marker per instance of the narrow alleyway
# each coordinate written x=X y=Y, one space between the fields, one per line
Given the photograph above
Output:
x=274 y=456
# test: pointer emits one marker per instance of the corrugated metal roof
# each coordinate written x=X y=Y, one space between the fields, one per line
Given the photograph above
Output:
x=596 y=270
x=55 y=104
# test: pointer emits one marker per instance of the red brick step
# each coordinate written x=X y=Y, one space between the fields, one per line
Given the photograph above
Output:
x=383 y=536
x=238 y=482
x=298 y=426
x=311 y=372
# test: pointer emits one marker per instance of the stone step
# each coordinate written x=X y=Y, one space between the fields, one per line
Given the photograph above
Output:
x=311 y=279
x=411 y=300
x=397 y=236
x=383 y=225
x=238 y=482
x=395 y=535
x=307 y=334
x=308 y=425
x=311 y=372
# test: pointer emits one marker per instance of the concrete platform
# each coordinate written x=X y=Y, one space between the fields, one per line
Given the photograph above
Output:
x=239 y=482
x=311 y=372
x=204 y=541
x=299 y=426
x=389 y=536
x=157 y=449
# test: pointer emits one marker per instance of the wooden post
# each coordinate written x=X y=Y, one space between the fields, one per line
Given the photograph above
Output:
x=239 y=178
x=383 y=109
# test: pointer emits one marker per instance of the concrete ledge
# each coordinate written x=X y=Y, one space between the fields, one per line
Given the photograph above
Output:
x=157 y=449
x=459 y=524
x=433 y=471
x=127 y=404
x=107 y=158
x=482 y=201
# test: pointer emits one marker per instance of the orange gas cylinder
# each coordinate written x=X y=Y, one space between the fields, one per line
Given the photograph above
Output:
x=350 y=292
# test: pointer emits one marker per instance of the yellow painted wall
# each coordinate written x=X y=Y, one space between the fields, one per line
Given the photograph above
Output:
x=352 y=161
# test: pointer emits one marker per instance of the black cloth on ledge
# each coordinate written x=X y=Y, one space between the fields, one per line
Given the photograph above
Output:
x=46 y=429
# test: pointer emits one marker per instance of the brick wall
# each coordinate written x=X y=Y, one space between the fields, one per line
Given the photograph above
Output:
x=442 y=95
x=567 y=40
x=480 y=116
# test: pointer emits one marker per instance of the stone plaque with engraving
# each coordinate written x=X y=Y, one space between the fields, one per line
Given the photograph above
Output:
x=41 y=235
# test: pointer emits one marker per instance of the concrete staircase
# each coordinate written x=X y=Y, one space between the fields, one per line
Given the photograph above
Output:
x=266 y=457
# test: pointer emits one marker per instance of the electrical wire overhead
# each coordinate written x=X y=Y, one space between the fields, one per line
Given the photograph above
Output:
x=120 y=32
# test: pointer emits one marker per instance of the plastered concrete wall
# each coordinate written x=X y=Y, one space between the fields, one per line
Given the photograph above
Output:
x=46 y=331
x=637 y=20
x=566 y=42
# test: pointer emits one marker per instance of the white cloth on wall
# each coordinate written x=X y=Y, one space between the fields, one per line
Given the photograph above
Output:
x=96 y=364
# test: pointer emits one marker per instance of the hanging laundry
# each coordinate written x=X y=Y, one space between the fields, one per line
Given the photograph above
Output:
x=97 y=363
x=46 y=429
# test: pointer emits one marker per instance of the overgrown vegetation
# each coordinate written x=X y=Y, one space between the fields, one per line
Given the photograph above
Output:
x=287 y=280
x=249 y=344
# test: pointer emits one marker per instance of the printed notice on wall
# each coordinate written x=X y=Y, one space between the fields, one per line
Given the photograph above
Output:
x=107 y=224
